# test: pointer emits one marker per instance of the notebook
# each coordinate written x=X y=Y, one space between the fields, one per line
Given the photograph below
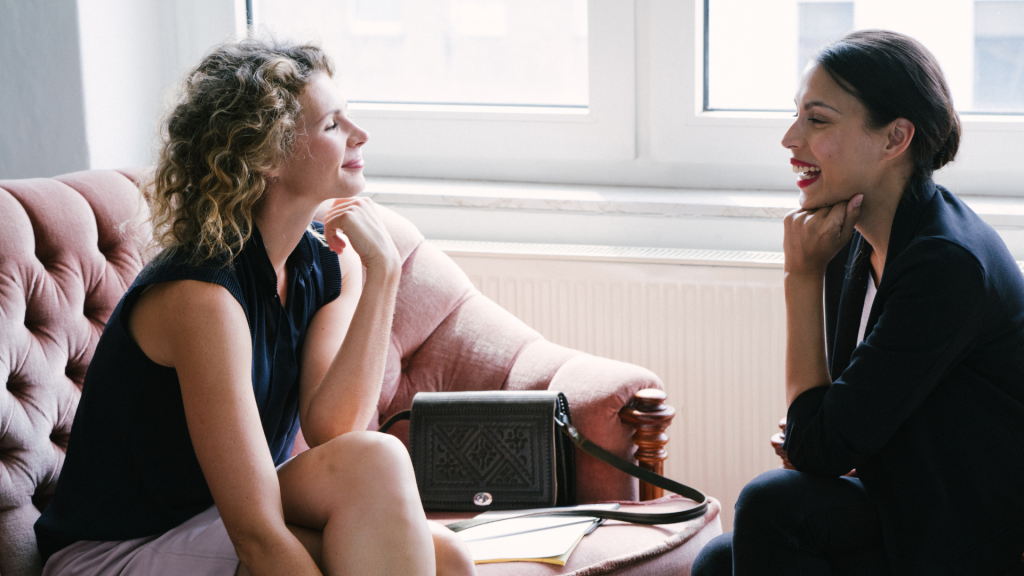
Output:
x=549 y=539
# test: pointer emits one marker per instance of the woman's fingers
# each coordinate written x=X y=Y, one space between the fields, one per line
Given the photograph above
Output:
x=851 y=213
x=336 y=241
x=355 y=223
x=813 y=237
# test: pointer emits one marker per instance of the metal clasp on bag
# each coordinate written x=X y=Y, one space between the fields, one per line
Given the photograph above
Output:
x=562 y=419
x=483 y=499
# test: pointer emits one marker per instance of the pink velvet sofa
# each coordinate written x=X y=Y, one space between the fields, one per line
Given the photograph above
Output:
x=64 y=265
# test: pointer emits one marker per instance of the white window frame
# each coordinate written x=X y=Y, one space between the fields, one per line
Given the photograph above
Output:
x=498 y=141
x=645 y=124
x=723 y=149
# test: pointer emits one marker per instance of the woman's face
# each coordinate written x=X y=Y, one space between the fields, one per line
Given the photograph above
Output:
x=326 y=161
x=836 y=154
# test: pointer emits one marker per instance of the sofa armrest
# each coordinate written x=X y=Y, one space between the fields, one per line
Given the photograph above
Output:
x=598 y=389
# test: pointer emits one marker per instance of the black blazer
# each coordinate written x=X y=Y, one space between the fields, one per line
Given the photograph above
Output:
x=930 y=407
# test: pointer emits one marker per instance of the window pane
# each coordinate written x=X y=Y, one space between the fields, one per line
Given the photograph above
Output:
x=753 y=44
x=819 y=24
x=999 y=55
x=522 y=52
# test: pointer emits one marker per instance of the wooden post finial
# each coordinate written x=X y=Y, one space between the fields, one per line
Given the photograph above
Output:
x=650 y=417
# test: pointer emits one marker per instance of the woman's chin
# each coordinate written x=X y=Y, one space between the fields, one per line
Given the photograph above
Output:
x=350 y=187
x=357 y=184
x=810 y=202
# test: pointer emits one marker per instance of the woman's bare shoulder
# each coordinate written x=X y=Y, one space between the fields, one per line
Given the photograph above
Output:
x=169 y=312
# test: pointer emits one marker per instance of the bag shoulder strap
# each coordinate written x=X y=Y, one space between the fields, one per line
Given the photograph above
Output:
x=395 y=418
x=611 y=459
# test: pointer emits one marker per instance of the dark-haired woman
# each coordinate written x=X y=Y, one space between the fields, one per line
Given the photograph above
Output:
x=911 y=368
x=247 y=326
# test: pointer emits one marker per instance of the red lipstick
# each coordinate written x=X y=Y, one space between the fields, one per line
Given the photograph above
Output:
x=805 y=183
x=798 y=166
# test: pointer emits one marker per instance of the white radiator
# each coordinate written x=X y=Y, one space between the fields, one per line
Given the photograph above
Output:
x=711 y=324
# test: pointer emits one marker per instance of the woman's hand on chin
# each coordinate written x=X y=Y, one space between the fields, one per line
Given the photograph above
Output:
x=814 y=236
x=363 y=230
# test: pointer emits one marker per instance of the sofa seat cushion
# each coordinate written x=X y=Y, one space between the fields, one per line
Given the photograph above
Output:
x=621 y=549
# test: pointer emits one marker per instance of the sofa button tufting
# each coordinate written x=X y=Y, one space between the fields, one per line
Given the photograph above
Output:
x=17 y=386
x=41 y=500
x=60 y=438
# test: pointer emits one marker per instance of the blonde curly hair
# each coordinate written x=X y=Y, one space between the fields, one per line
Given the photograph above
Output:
x=234 y=122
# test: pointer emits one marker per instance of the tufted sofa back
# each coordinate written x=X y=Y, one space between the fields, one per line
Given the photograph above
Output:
x=64 y=265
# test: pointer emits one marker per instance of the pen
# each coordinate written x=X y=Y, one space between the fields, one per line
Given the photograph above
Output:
x=594 y=526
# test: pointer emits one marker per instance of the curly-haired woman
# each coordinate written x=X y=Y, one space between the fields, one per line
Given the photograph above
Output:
x=245 y=327
x=911 y=367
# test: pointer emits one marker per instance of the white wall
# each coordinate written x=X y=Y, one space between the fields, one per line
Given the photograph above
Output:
x=42 y=115
x=134 y=52
x=84 y=83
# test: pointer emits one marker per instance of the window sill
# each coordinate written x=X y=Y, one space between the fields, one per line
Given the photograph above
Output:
x=621 y=216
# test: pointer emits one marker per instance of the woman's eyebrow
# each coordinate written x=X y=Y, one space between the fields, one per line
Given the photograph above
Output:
x=329 y=113
x=814 y=103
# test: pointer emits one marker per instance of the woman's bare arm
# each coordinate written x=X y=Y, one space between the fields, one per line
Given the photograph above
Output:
x=347 y=342
x=201 y=331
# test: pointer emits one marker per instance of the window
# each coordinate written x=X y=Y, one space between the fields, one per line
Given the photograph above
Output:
x=768 y=46
x=979 y=44
x=999 y=56
x=491 y=89
x=818 y=24
x=635 y=93
x=738 y=146
x=477 y=52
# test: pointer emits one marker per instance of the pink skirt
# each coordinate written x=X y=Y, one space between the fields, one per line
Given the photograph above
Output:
x=199 y=547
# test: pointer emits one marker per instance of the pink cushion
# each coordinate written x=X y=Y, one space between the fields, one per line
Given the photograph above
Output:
x=624 y=549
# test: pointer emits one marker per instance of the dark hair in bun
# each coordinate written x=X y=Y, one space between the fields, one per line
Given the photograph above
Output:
x=894 y=76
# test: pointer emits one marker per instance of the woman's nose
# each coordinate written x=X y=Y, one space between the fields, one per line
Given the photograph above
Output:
x=357 y=136
x=792 y=138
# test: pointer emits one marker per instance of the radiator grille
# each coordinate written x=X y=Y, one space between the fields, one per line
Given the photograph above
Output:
x=711 y=324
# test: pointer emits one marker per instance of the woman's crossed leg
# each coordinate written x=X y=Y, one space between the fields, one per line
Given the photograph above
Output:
x=353 y=504
x=789 y=522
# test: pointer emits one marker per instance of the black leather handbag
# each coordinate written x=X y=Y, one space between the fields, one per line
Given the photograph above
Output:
x=509 y=450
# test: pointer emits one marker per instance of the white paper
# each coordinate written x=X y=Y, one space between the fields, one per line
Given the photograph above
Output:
x=527 y=538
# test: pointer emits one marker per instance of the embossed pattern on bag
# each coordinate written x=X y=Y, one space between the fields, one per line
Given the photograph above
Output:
x=475 y=454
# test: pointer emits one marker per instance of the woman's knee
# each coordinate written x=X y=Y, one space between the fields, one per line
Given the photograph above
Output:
x=768 y=490
x=715 y=559
x=365 y=449
x=767 y=497
x=370 y=462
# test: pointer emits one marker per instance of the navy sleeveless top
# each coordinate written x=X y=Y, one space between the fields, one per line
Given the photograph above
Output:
x=130 y=469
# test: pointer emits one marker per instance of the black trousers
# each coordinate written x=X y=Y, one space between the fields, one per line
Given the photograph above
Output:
x=794 y=523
